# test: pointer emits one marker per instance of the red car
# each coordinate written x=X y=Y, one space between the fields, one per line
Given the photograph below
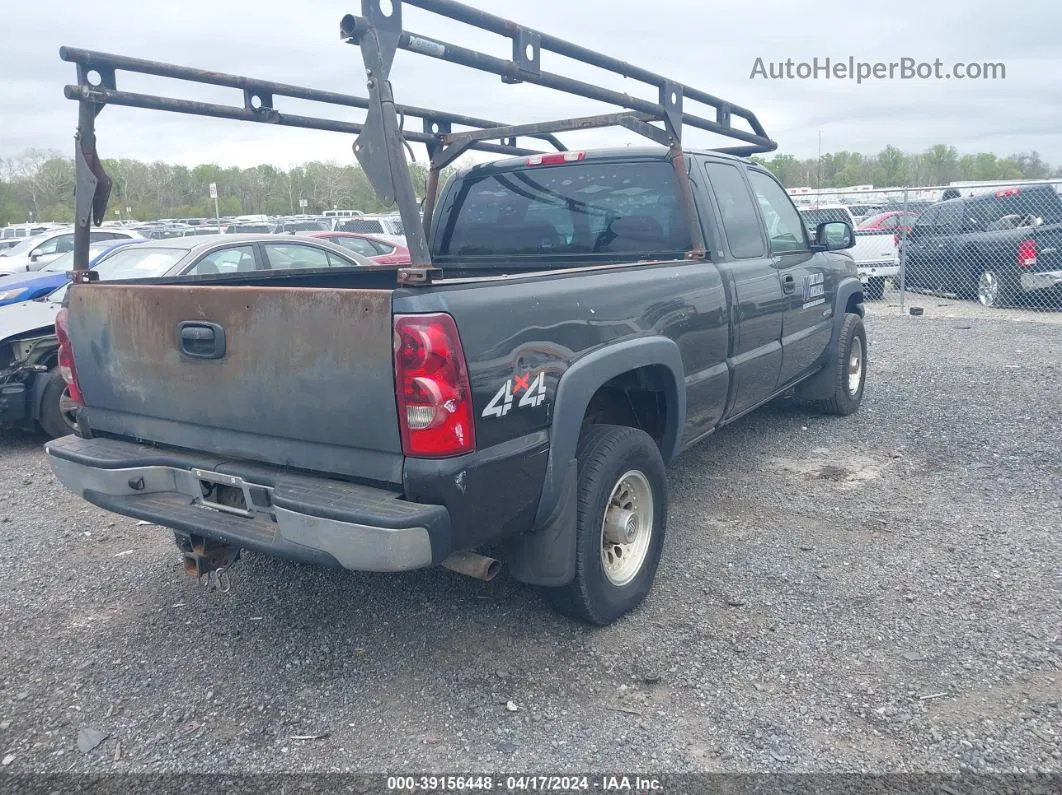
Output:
x=892 y=221
x=380 y=251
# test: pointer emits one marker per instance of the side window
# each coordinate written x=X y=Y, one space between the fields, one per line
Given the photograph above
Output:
x=59 y=244
x=741 y=224
x=227 y=260
x=295 y=257
x=784 y=226
x=93 y=236
x=891 y=222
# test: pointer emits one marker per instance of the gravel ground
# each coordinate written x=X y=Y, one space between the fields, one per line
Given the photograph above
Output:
x=877 y=593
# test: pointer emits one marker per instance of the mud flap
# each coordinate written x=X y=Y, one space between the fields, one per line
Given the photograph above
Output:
x=546 y=556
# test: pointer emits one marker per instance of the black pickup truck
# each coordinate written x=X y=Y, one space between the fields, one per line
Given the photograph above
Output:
x=573 y=322
x=1000 y=248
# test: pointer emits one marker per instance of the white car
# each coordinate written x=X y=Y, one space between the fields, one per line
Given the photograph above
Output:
x=876 y=254
x=34 y=253
x=385 y=226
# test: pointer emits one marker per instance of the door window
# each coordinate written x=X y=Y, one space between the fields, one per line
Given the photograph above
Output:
x=238 y=259
x=784 y=226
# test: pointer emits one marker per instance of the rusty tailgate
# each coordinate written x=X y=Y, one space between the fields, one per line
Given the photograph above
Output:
x=305 y=379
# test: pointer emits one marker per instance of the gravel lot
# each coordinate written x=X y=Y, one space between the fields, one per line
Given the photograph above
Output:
x=876 y=593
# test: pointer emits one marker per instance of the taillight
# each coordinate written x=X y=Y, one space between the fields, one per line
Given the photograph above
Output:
x=67 y=368
x=554 y=158
x=896 y=240
x=431 y=386
x=1026 y=253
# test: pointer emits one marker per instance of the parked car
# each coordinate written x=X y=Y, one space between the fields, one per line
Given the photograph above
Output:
x=876 y=253
x=10 y=242
x=860 y=212
x=290 y=227
x=34 y=253
x=32 y=391
x=891 y=221
x=997 y=248
x=388 y=227
x=378 y=249
x=263 y=228
x=28 y=286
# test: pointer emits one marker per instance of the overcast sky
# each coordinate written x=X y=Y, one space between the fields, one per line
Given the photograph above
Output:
x=703 y=44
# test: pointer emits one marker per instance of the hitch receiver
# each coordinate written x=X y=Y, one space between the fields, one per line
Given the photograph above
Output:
x=203 y=556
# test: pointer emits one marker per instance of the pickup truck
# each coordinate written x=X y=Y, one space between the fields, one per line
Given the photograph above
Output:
x=574 y=322
x=876 y=253
x=1000 y=249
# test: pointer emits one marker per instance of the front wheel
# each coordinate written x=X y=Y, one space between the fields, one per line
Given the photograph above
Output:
x=620 y=521
x=848 y=368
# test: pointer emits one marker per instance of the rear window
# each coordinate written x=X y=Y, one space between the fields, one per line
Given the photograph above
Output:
x=628 y=208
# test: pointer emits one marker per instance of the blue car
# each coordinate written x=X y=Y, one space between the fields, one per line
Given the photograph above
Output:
x=21 y=287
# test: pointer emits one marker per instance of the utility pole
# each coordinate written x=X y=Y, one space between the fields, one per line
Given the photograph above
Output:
x=818 y=179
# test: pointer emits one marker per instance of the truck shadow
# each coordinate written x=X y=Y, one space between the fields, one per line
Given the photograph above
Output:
x=15 y=440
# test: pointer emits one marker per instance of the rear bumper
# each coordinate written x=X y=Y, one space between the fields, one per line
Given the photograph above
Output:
x=877 y=270
x=1047 y=280
x=302 y=518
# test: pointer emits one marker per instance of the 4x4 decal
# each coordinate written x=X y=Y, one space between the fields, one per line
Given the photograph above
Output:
x=534 y=394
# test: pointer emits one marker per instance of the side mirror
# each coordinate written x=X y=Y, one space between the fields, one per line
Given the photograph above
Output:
x=35 y=255
x=833 y=236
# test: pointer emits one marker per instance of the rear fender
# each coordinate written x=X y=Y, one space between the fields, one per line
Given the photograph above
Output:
x=546 y=555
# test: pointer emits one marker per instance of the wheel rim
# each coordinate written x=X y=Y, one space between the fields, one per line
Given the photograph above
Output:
x=627 y=528
x=988 y=289
x=855 y=367
x=68 y=409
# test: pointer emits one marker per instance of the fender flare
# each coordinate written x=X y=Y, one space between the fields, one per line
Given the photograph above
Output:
x=579 y=383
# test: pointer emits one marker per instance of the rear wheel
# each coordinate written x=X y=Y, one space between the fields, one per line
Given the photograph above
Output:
x=58 y=416
x=993 y=289
x=620 y=522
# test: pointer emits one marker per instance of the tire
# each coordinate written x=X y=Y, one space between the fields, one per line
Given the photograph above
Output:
x=53 y=416
x=993 y=289
x=851 y=360
x=617 y=465
x=874 y=290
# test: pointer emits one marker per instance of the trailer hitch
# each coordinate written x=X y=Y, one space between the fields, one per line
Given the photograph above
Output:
x=208 y=561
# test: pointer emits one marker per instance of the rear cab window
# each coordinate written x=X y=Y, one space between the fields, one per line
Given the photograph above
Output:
x=590 y=210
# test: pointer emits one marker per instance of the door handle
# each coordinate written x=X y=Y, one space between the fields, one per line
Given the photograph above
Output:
x=788 y=283
x=201 y=340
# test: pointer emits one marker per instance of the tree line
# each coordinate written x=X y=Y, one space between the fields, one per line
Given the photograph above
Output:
x=39 y=184
x=891 y=168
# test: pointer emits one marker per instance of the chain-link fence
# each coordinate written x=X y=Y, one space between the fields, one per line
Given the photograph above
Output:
x=979 y=247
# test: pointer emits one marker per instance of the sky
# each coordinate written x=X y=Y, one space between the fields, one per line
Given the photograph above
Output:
x=704 y=45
